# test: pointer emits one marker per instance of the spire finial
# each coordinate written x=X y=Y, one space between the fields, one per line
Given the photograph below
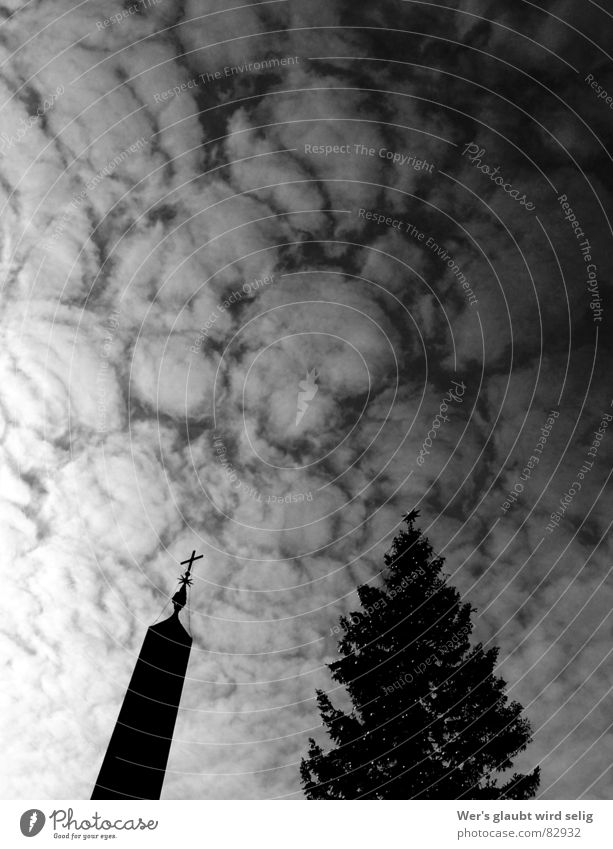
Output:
x=179 y=599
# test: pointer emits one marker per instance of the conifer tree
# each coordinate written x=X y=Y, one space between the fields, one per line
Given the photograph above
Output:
x=430 y=719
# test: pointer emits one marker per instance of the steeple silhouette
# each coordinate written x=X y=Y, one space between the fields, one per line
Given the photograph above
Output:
x=135 y=762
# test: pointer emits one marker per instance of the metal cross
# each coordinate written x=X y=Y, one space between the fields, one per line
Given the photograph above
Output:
x=191 y=560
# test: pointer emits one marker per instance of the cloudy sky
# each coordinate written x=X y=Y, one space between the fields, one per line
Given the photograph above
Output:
x=246 y=250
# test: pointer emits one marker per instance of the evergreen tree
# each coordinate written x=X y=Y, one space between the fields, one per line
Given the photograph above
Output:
x=430 y=720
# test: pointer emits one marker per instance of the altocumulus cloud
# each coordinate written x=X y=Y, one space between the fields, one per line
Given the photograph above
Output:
x=117 y=388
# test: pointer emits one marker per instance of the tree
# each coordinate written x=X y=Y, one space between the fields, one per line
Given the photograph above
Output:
x=430 y=720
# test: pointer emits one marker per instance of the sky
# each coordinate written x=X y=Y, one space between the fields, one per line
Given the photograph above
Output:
x=274 y=274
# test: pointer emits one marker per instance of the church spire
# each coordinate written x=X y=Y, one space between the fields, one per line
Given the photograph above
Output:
x=135 y=762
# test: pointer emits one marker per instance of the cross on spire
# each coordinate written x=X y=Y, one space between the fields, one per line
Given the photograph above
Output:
x=190 y=560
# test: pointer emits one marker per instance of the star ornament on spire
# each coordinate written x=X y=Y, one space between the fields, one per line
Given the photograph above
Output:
x=185 y=580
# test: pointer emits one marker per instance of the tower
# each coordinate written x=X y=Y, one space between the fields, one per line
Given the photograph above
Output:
x=137 y=754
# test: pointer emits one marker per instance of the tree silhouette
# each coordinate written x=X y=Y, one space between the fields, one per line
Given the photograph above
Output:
x=430 y=720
